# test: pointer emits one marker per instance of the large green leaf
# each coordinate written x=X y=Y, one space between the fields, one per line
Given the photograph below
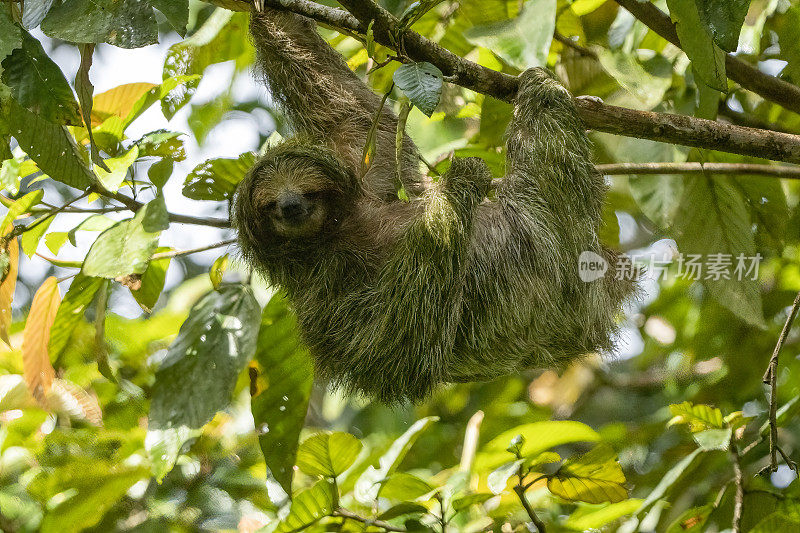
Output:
x=221 y=38
x=403 y=486
x=280 y=388
x=126 y=247
x=309 y=506
x=152 y=282
x=328 y=454
x=176 y=11
x=198 y=373
x=38 y=84
x=123 y=23
x=50 y=145
x=594 y=477
x=713 y=219
x=117 y=169
x=724 y=19
x=522 y=42
x=369 y=483
x=768 y=205
x=591 y=517
x=626 y=69
x=707 y=58
x=538 y=437
x=10 y=36
x=216 y=179
x=422 y=83
x=21 y=206
x=70 y=311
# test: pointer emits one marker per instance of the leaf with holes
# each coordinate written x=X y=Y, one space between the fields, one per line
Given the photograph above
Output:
x=422 y=83
x=216 y=179
x=123 y=23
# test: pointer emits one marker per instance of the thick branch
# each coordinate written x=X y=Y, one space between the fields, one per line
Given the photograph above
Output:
x=738 y=169
x=664 y=127
x=768 y=87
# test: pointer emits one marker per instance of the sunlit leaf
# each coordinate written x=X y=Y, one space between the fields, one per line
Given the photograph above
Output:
x=218 y=269
x=539 y=437
x=117 y=169
x=404 y=487
x=14 y=393
x=589 y=517
x=68 y=399
x=308 y=507
x=401 y=509
x=328 y=454
x=197 y=375
x=669 y=479
x=280 y=387
x=699 y=417
x=368 y=484
x=497 y=481
x=21 y=206
x=38 y=370
x=524 y=41
x=465 y=502
x=595 y=477
x=70 y=312
x=627 y=70
x=126 y=247
x=30 y=239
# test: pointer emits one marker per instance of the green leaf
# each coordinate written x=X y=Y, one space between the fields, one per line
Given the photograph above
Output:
x=595 y=477
x=788 y=37
x=328 y=454
x=176 y=11
x=123 y=23
x=591 y=517
x=198 y=373
x=280 y=388
x=10 y=36
x=422 y=83
x=160 y=172
x=768 y=205
x=217 y=270
x=708 y=59
x=216 y=179
x=626 y=69
x=92 y=223
x=539 y=437
x=55 y=240
x=497 y=481
x=368 y=484
x=691 y=521
x=126 y=247
x=31 y=238
x=724 y=20
x=699 y=417
x=85 y=90
x=309 y=506
x=221 y=38
x=117 y=169
x=465 y=502
x=51 y=146
x=713 y=439
x=522 y=42
x=401 y=509
x=205 y=117
x=713 y=219
x=404 y=487
x=70 y=312
x=21 y=206
x=162 y=143
x=152 y=282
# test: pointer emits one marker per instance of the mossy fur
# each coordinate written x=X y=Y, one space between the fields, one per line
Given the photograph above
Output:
x=394 y=298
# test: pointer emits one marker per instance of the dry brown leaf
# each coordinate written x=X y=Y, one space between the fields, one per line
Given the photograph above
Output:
x=7 y=289
x=36 y=366
x=66 y=398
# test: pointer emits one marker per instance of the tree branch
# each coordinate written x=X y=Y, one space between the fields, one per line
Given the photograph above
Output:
x=664 y=127
x=135 y=205
x=768 y=87
x=780 y=171
x=344 y=513
x=771 y=379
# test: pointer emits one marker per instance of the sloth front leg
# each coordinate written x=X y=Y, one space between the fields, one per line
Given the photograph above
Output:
x=422 y=285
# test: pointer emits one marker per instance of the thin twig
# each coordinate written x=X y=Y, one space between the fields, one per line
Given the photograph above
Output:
x=344 y=513
x=178 y=253
x=520 y=489
x=739 y=480
x=135 y=205
x=771 y=379
x=780 y=171
x=566 y=41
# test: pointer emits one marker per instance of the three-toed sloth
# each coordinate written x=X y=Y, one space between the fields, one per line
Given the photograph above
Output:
x=395 y=297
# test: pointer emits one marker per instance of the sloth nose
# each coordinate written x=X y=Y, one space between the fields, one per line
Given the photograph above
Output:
x=293 y=208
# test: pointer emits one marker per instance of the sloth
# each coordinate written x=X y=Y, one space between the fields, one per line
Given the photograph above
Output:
x=396 y=297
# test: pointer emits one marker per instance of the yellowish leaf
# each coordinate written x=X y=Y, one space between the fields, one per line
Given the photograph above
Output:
x=595 y=477
x=118 y=101
x=36 y=366
x=7 y=288
x=66 y=398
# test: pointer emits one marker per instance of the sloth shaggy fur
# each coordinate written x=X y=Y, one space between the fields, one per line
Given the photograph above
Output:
x=394 y=298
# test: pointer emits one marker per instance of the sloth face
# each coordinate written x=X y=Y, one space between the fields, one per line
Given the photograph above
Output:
x=296 y=202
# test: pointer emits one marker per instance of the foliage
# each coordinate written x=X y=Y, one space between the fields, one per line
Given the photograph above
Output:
x=168 y=389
